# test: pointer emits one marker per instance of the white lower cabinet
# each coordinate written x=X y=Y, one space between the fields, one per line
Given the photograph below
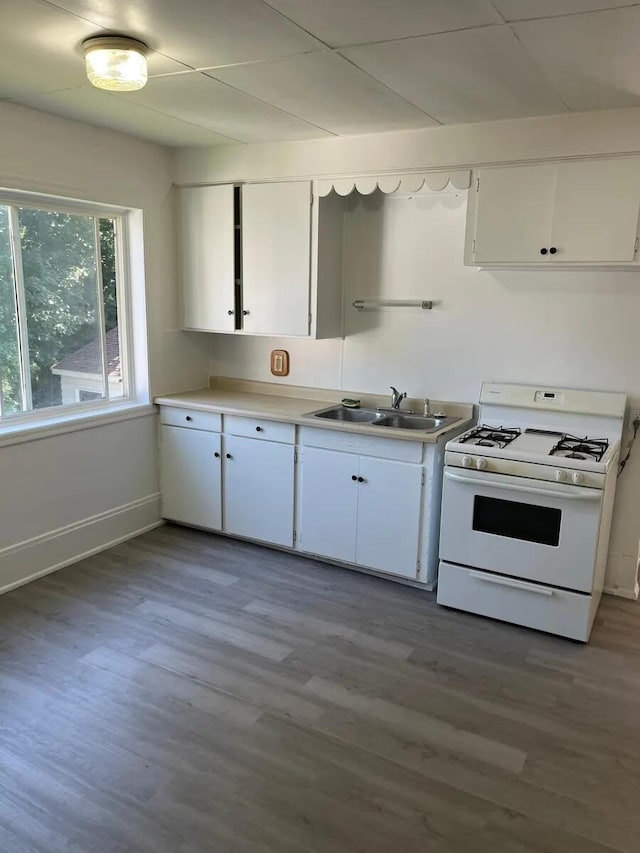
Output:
x=389 y=516
x=258 y=489
x=361 y=510
x=190 y=476
x=357 y=499
x=329 y=504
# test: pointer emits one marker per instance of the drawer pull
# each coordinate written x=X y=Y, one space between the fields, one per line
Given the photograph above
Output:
x=229 y=456
x=217 y=455
x=512 y=583
x=188 y=418
x=258 y=429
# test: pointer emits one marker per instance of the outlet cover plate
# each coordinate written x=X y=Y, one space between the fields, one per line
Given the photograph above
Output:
x=279 y=362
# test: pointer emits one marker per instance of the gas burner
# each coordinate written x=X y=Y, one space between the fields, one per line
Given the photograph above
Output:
x=571 y=447
x=486 y=436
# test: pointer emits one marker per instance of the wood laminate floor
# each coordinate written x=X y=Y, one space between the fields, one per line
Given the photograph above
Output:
x=185 y=692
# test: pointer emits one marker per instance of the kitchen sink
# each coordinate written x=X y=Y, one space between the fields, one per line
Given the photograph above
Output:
x=384 y=418
x=424 y=423
x=352 y=416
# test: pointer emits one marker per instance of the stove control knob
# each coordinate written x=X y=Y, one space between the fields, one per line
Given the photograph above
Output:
x=577 y=477
x=481 y=464
x=467 y=462
x=560 y=476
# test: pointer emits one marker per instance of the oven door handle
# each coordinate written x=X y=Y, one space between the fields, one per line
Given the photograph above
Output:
x=577 y=494
x=514 y=584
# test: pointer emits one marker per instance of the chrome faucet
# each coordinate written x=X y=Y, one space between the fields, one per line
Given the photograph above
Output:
x=427 y=407
x=396 y=397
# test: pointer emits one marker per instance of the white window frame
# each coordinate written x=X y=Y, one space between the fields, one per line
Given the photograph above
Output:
x=130 y=292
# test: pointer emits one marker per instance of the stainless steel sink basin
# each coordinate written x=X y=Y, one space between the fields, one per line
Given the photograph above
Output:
x=384 y=418
x=352 y=416
x=416 y=422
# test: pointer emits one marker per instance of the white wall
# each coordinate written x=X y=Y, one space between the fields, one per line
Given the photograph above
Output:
x=573 y=134
x=570 y=328
x=65 y=495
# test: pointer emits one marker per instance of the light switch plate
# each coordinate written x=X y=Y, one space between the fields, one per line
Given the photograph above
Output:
x=279 y=362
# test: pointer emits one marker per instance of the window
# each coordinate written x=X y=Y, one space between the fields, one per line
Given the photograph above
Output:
x=84 y=395
x=60 y=300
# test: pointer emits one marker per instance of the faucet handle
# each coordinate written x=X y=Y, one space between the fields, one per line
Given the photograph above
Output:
x=427 y=407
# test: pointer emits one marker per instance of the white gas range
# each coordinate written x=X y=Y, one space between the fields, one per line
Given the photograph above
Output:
x=526 y=507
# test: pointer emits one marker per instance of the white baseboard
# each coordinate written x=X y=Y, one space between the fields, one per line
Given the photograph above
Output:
x=32 y=558
x=622 y=593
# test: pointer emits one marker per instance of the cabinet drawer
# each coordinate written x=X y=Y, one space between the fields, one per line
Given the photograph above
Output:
x=191 y=419
x=364 y=445
x=545 y=608
x=258 y=428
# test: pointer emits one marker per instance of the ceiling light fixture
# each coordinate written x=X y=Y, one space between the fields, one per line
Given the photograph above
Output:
x=116 y=63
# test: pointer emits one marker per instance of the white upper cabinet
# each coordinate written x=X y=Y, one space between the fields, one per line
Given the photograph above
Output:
x=595 y=215
x=576 y=213
x=514 y=214
x=252 y=263
x=206 y=224
x=276 y=253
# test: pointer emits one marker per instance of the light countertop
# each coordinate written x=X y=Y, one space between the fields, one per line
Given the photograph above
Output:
x=293 y=404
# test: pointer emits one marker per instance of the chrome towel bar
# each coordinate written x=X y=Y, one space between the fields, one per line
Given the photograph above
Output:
x=425 y=304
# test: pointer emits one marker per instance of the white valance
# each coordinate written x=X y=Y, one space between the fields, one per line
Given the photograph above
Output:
x=435 y=181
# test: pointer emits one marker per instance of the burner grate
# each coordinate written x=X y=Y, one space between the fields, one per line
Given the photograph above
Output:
x=487 y=436
x=572 y=447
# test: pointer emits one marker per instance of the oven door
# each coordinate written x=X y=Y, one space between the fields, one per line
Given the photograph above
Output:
x=541 y=531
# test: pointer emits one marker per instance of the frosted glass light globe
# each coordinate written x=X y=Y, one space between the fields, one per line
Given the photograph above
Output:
x=116 y=64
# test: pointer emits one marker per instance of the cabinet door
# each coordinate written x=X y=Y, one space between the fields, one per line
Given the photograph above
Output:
x=258 y=489
x=513 y=214
x=276 y=234
x=595 y=217
x=389 y=512
x=190 y=476
x=329 y=500
x=206 y=257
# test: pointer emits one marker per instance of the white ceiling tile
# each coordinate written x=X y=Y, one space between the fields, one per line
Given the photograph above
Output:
x=118 y=113
x=517 y=10
x=40 y=49
x=325 y=89
x=472 y=75
x=342 y=22
x=200 y=33
x=593 y=59
x=212 y=105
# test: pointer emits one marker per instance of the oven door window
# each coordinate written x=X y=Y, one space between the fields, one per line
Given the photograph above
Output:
x=515 y=520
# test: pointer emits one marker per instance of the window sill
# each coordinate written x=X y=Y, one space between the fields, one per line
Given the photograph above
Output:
x=19 y=433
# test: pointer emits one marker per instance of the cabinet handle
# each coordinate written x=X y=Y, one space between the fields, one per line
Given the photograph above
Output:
x=543 y=251
x=552 y=250
x=229 y=456
x=353 y=477
x=217 y=455
x=361 y=480
x=244 y=313
x=231 y=313
x=258 y=429
x=188 y=418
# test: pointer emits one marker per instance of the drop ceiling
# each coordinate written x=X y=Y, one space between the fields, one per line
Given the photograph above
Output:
x=228 y=71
